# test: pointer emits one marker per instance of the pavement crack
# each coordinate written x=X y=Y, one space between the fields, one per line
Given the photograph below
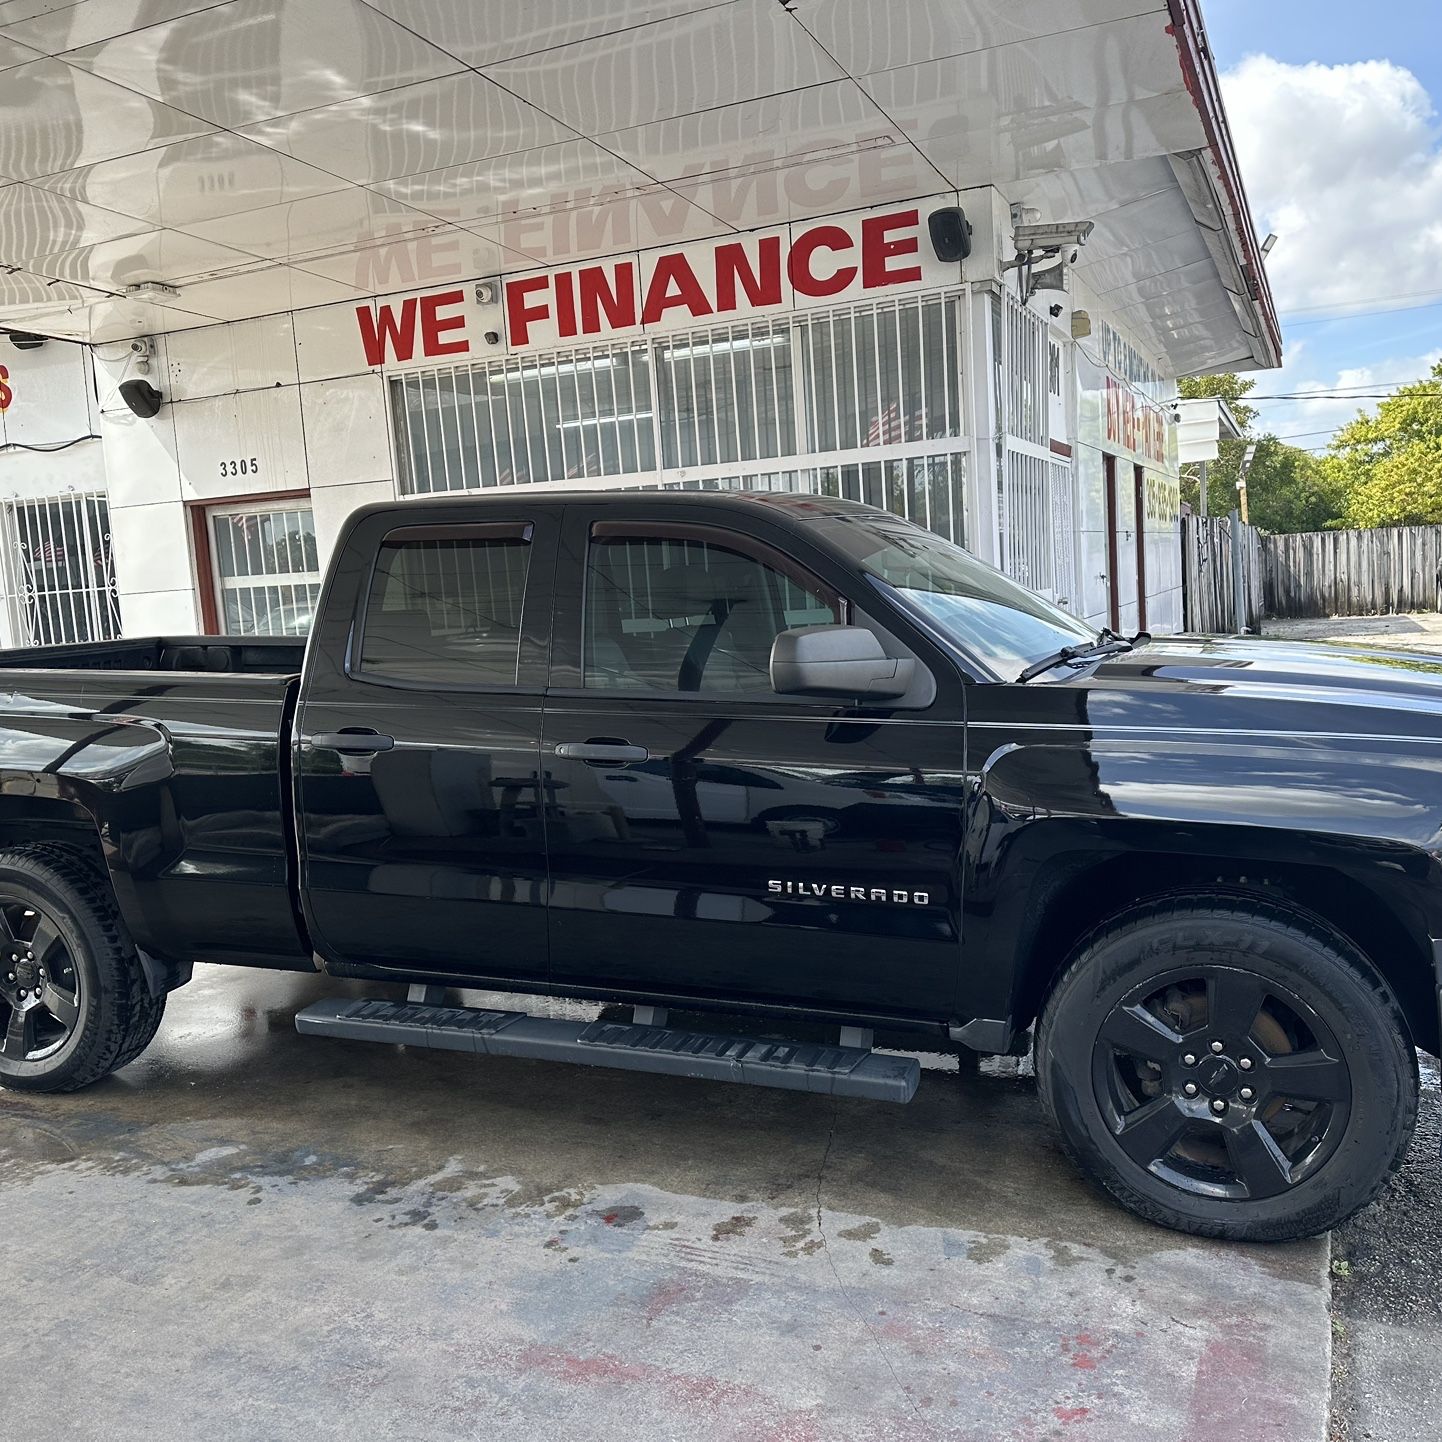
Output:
x=841 y=1285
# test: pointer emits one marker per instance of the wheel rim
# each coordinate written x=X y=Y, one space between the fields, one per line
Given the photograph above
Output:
x=1221 y=1083
x=40 y=988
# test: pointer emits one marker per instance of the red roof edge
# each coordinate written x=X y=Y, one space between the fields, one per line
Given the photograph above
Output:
x=1199 y=72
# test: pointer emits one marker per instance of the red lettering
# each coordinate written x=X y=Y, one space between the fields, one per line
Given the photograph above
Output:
x=673 y=270
x=6 y=394
x=434 y=324
x=798 y=264
x=519 y=315
x=383 y=329
x=878 y=249
x=597 y=294
x=565 y=303
x=761 y=284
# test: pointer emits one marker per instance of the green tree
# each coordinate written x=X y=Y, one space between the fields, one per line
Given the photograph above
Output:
x=1287 y=489
x=1389 y=465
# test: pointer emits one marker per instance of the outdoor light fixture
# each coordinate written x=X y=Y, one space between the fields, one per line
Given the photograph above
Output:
x=24 y=340
x=150 y=290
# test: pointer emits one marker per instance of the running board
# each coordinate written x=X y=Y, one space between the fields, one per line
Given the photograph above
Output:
x=843 y=1071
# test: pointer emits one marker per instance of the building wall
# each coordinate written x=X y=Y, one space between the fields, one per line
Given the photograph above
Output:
x=300 y=409
x=255 y=409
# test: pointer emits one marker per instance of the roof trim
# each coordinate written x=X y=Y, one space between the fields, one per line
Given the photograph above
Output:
x=1199 y=73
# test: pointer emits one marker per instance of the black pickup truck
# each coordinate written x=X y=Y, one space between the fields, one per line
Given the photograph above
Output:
x=771 y=754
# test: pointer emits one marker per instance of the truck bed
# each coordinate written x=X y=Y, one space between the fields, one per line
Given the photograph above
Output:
x=244 y=655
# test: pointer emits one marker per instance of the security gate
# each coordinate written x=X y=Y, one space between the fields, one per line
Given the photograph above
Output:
x=1036 y=488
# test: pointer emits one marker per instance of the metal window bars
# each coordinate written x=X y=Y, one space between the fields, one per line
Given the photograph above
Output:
x=63 y=569
x=882 y=378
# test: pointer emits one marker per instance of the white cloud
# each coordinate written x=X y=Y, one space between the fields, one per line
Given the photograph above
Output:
x=1308 y=423
x=1344 y=162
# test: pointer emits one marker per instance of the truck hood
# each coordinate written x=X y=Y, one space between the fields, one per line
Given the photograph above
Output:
x=1253 y=683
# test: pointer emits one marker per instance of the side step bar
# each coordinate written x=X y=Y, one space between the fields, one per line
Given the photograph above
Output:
x=843 y=1071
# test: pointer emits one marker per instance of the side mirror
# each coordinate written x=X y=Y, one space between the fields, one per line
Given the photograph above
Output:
x=837 y=661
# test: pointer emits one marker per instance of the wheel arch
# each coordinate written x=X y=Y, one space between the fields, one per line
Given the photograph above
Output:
x=50 y=820
x=1363 y=905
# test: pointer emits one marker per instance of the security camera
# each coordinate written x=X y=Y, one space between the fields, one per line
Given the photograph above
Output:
x=1052 y=236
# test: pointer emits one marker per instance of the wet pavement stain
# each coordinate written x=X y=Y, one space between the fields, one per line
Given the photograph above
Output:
x=307 y=1224
x=732 y=1227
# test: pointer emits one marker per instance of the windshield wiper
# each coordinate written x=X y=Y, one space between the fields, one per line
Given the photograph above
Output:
x=1107 y=643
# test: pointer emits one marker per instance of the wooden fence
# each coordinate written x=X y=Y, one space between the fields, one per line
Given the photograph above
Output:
x=1209 y=576
x=1353 y=573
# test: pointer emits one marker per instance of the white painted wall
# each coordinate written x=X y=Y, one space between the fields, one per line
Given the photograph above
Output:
x=253 y=408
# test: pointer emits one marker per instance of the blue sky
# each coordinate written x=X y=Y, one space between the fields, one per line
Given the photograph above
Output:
x=1335 y=108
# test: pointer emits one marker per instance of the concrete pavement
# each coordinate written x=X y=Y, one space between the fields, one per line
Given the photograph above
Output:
x=251 y=1235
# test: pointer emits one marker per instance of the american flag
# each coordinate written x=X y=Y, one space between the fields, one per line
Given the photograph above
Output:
x=48 y=553
x=886 y=429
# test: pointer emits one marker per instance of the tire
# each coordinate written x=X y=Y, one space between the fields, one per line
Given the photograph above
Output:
x=1135 y=1020
x=92 y=1011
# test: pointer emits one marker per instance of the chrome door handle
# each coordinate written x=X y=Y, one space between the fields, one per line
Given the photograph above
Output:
x=602 y=753
x=352 y=743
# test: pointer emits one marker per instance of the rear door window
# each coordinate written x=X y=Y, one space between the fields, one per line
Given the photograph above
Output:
x=444 y=607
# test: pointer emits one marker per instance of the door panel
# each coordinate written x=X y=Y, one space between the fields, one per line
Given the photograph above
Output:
x=810 y=859
x=430 y=851
x=782 y=850
x=1121 y=549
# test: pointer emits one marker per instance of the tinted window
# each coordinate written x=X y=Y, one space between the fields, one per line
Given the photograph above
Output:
x=446 y=611
x=688 y=615
x=985 y=613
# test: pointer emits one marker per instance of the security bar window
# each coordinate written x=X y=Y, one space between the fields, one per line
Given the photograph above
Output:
x=882 y=374
x=267 y=573
x=61 y=570
x=525 y=419
x=869 y=377
x=726 y=395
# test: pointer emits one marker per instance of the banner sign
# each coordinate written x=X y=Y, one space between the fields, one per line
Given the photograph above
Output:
x=829 y=262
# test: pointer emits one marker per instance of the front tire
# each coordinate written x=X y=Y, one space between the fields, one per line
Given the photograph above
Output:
x=74 y=1004
x=1228 y=1068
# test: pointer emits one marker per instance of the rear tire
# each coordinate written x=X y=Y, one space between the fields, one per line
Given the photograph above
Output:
x=1229 y=1068
x=74 y=1003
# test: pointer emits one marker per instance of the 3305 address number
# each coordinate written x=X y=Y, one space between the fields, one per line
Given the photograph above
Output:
x=242 y=467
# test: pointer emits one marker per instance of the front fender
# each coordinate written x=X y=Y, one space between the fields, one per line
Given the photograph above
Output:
x=1359 y=818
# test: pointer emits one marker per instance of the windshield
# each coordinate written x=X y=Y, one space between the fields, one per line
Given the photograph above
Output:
x=984 y=613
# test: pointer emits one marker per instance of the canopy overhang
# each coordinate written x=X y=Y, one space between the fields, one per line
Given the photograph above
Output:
x=168 y=164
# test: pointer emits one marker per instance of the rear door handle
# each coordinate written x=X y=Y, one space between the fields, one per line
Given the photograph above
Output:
x=603 y=753
x=357 y=742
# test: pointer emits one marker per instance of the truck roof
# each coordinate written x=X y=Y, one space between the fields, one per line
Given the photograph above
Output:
x=794 y=504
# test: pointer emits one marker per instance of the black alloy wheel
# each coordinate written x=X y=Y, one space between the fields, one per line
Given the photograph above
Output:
x=1221 y=1083
x=75 y=1004
x=41 y=990
x=1227 y=1065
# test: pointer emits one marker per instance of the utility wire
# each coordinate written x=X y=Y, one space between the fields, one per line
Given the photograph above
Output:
x=46 y=450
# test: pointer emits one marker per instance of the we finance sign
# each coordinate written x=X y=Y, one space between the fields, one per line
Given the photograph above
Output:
x=823 y=263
